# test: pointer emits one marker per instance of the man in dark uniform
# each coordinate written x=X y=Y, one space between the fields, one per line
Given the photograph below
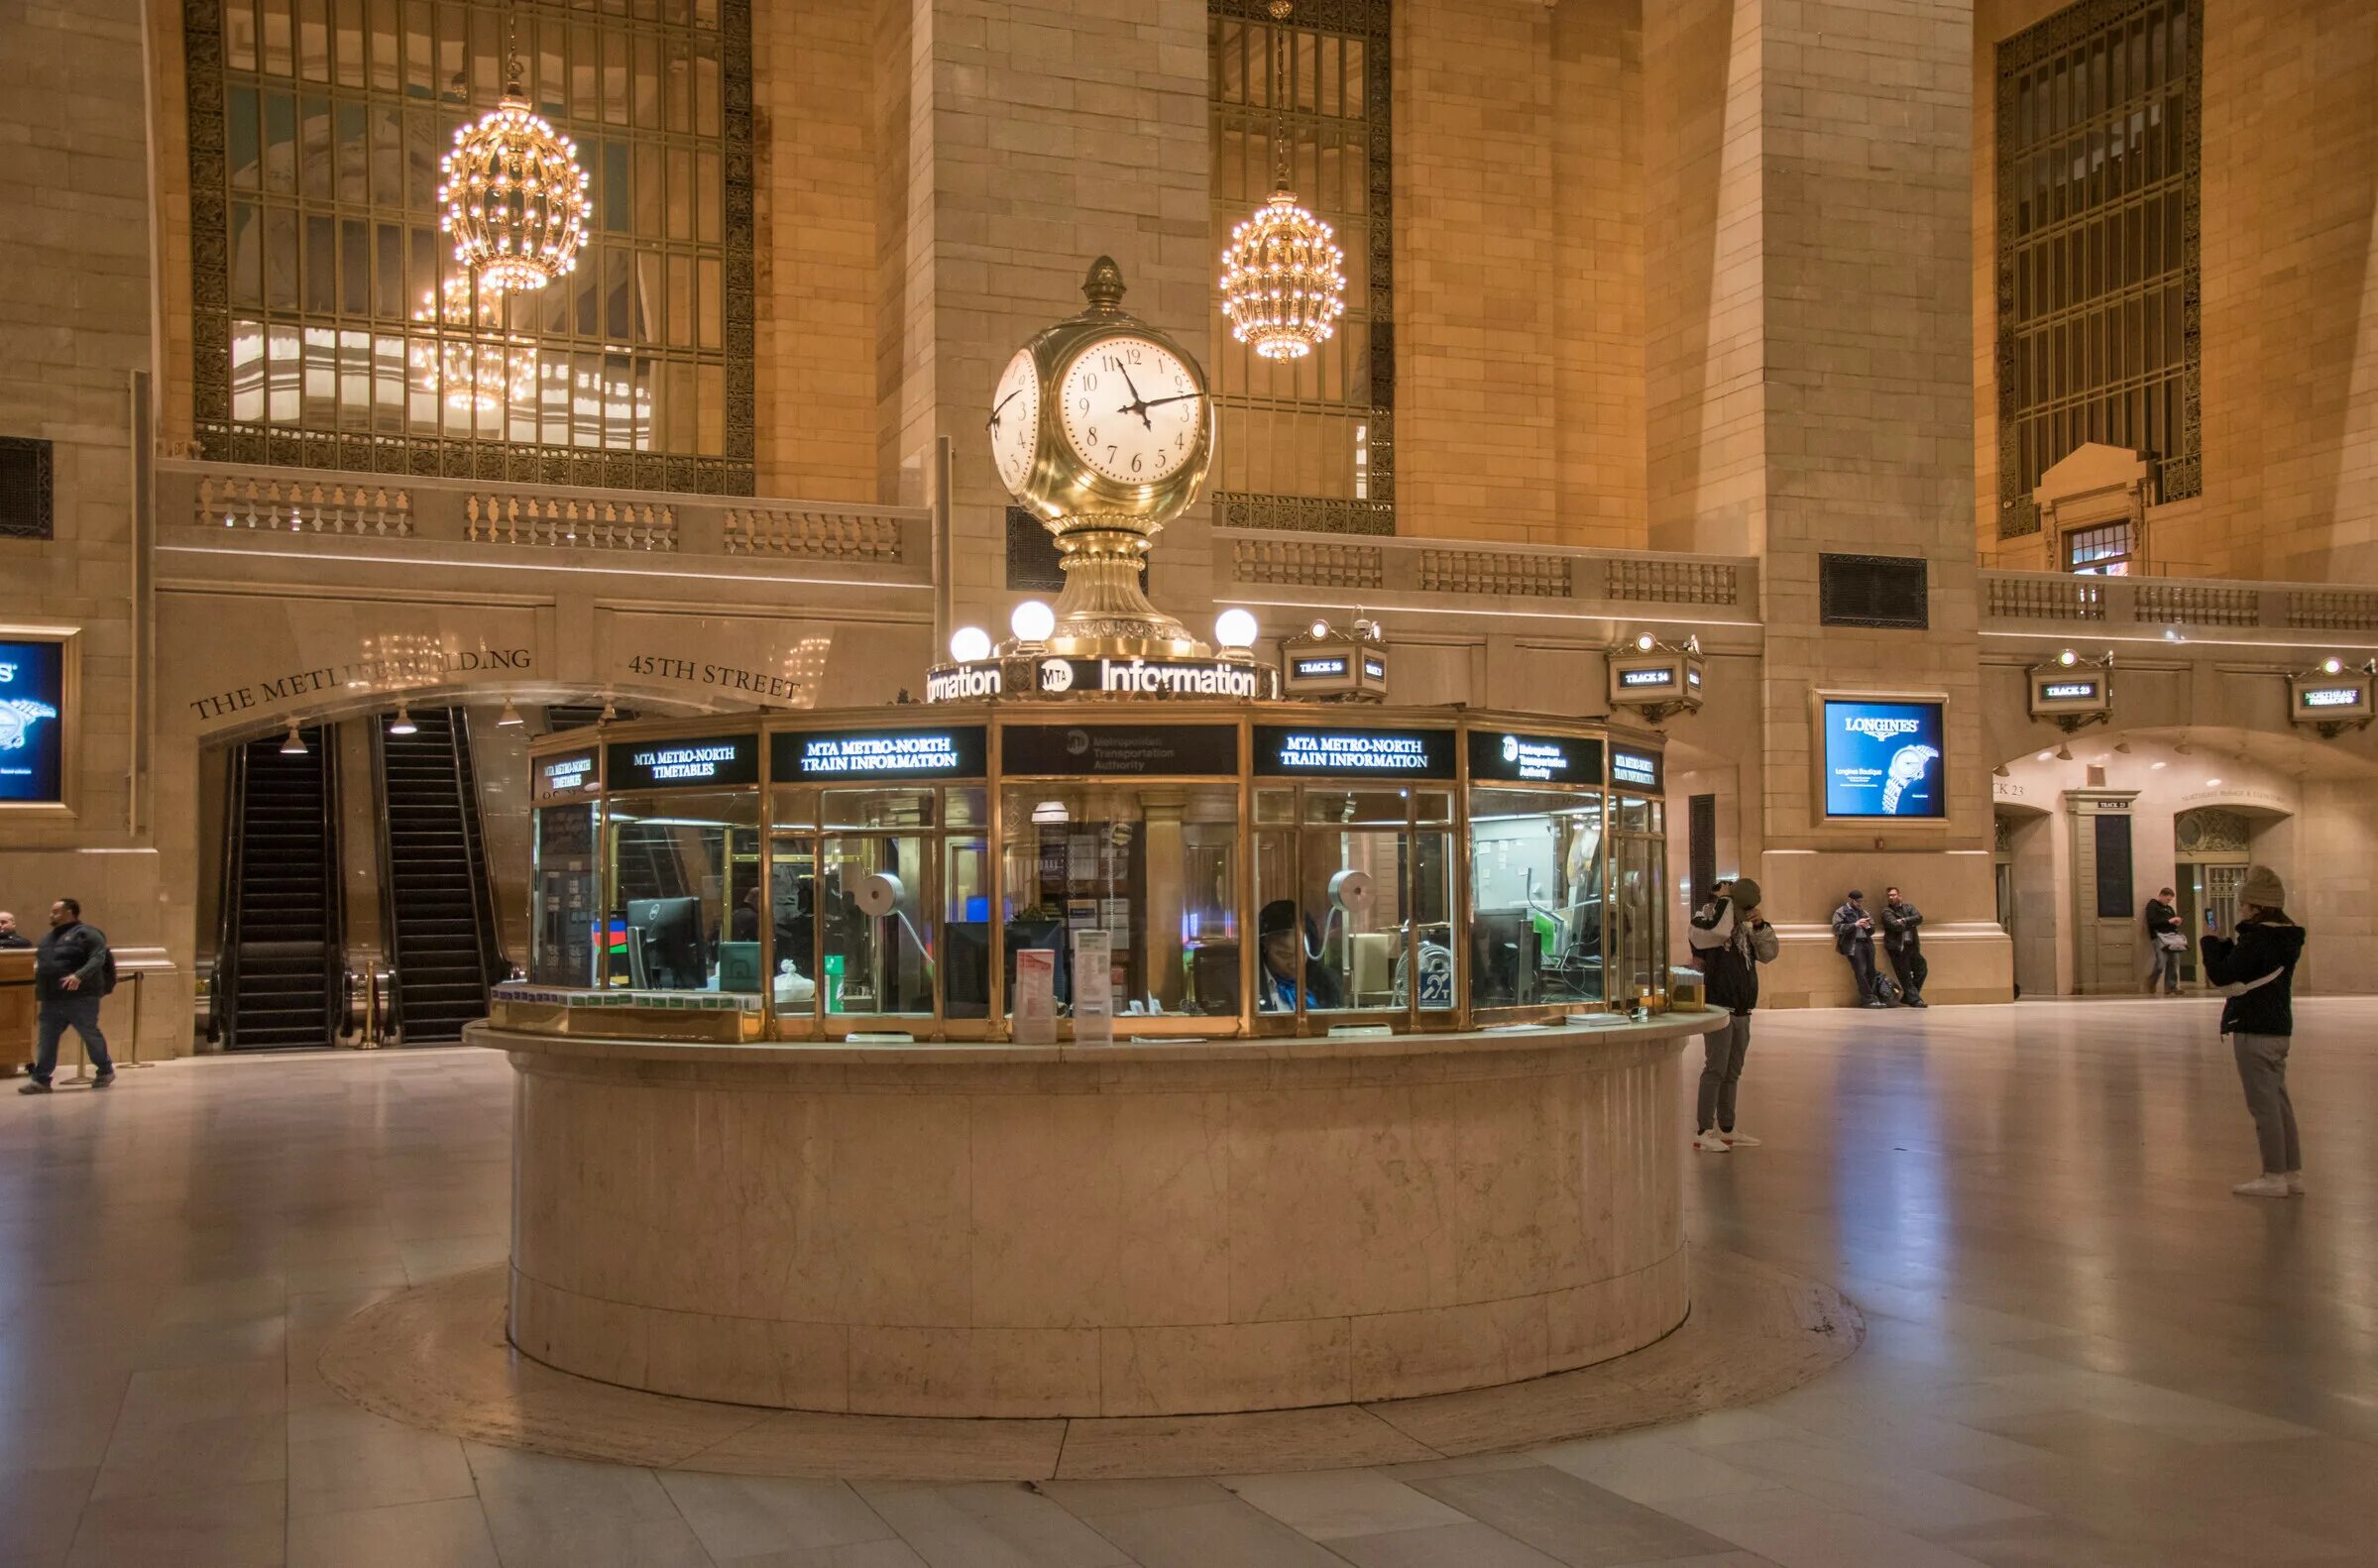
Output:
x=69 y=977
x=1903 y=941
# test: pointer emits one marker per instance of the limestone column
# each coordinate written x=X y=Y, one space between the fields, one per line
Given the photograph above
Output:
x=1810 y=391
x=1017 y=142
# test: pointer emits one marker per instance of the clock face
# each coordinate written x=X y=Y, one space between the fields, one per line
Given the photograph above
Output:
x=1133 y=410
x=1015 y=423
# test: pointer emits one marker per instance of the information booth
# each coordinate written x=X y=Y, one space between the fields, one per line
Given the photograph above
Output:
x=1258 y=868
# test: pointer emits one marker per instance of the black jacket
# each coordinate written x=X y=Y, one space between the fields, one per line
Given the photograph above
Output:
x=1900 y=925
x=1846 y=934
x=2263 y=944
x=73 y=949
x=2161 y=917
x=1731 y=955
x=14 y=938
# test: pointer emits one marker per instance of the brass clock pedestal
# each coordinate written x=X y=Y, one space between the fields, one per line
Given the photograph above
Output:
x=1103 y=613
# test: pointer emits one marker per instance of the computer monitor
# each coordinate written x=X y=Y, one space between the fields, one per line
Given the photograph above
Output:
x=739 y=966
x=672 y=943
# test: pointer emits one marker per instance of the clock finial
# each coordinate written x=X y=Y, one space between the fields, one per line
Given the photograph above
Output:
x=1102 y=284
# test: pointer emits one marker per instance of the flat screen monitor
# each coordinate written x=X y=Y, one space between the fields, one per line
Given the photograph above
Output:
x=1883 y=758
x=671 y=929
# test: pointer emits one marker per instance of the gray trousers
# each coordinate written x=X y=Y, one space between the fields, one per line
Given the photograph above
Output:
x=1721 y=1069
x=2262 y=1069
x=2163 y=967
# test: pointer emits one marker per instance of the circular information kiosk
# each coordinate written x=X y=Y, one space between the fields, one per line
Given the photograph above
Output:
x=1112 y=1037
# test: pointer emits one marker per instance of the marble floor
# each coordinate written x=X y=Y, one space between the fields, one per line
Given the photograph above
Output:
x=2081 y=1349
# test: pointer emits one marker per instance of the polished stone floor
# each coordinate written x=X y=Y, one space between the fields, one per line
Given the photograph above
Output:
x=2080 y=1348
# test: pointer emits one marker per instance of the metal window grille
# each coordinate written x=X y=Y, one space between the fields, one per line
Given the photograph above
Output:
x=2103 y=551
x=25 y=477
x=2098 y=240
x=1887 y=591
x=1309 y=443
x=333 y=328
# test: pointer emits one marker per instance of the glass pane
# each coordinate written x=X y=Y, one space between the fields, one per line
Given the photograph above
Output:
x=1535 y=898
x=562 y=921
x=967 y=925
x=793 y=922
x=1350 y=917
x=684 y=870
x=878 y=961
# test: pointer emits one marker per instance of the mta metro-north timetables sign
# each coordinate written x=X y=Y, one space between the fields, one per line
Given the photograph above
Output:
x=1883 y=759
x=33 y=696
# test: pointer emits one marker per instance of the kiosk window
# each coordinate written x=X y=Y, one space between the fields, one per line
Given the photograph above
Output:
x=564 y=931
x=1537 y=926
x=685 y=893
x=1354 y=911
x=1638 y=886
x=793 y=923
x=1155 y=865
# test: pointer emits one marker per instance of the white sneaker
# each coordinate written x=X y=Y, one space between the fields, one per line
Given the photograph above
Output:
x=1739 y=1139
x=2295 y=1183
x=2262 y=1187
x=1710 y=1142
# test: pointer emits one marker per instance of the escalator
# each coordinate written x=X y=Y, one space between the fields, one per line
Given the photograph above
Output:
x=280 y=957
x=442 y=949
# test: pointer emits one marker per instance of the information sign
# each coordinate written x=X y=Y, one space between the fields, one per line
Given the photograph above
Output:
x=1883 y=758
x=683 y=764
x=824 y=756
x=1282 y=751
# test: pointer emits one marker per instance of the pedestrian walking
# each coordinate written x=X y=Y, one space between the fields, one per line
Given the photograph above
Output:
x=2167 y=944
x=1732 y=941
x=1854 y=939
x=1903 y=942
x=72 y=971
x=2255 y=968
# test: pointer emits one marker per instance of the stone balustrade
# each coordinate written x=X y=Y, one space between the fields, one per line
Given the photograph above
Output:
x=418 y=514
x=2016 y=600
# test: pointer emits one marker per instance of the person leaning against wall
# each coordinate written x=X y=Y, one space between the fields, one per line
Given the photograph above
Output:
x=1732 y=941
x=1903 y=941
x=2166 y=943
x=2255 y=968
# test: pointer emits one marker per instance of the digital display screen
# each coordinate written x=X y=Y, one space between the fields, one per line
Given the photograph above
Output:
x=684 y=765
x=1533 y=759
x=1883 y=759
x=954 y=753
x=2331 y=695
x=1282 y=753
x=2068 y=692
x=1636 y=769
x=33 y=702
x=560 y=777
x=1665 y=675
x=1321 y=668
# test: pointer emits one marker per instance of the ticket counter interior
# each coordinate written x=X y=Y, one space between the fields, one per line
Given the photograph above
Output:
x=1252 y=877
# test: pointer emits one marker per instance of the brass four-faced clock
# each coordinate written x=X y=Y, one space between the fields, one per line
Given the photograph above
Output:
x=1102 y=427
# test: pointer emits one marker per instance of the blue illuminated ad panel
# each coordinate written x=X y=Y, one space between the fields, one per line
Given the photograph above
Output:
x=33 y=723
x=1884 y=759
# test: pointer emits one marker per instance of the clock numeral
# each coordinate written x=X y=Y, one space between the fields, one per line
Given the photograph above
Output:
x=1135 y=465
x=1093 y=435
x=1110 y=452
x=1084 y=407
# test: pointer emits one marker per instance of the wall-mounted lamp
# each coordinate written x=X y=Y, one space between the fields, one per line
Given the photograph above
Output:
x=294 y=744
x=403 y=723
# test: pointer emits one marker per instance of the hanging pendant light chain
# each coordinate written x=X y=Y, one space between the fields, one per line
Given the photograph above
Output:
x=1284 y=280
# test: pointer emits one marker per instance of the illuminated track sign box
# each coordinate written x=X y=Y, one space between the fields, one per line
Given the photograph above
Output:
x=683 y=764
x=954 y=753
x=1883 y=758
x=33 y=703
x=1304 y=752
x=1533 y=759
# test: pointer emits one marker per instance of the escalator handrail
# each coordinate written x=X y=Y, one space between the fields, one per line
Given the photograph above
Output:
x=222 y=997
x=393 y=959
x=493 y=966
x=334 y=893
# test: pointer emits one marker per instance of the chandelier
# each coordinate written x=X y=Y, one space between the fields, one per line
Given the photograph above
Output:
x=1284 y=279
x=474 y=369
x=514 y=195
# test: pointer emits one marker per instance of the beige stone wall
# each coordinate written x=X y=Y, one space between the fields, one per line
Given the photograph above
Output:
x=2289 y=267
x=814 y=131
x=76 y=253
x=1519 y=272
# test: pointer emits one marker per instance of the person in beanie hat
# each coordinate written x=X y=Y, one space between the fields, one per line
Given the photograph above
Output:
x=2255 y=968
x=1732 y=941
x=1854 y=939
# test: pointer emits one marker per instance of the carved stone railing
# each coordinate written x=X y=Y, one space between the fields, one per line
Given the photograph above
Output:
x=570 y=523
x=812 y=536
x=2010 y=599
x=291 y=505
x=1266 y=565
x=432 y=518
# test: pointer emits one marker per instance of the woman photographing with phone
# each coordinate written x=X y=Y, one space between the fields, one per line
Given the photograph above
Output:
x=2255 y=968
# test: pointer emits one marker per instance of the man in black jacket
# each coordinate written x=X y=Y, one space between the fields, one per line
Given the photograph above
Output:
x=1732 y=941
x=2165 y=944
x=2255 y=967
x=1854 y=939
x=1902 y=939
x=69 y=971
x=10 y=935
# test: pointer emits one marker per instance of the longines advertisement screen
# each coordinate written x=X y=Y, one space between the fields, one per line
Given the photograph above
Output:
x=1883 y=759
x=33 y=693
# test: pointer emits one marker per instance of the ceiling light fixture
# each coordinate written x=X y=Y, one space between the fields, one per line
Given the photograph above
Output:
x=509 y=719
x=513 y=194
x=294 y=745
x=403 y=723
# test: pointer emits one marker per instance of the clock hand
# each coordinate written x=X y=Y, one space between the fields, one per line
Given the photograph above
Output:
x=1161 y=401
x=1138 y=404
x=1001 y=407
